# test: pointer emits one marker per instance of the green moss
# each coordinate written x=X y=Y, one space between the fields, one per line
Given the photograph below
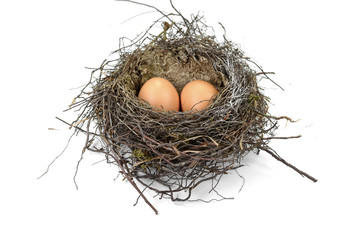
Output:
x=141 y=155
x=253 y=98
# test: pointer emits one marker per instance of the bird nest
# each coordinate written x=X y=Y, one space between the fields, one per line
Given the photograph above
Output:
x=171 y=153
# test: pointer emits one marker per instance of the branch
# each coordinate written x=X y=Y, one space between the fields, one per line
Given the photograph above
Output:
x=280 y=159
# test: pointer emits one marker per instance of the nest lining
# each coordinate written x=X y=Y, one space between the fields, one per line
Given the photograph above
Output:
x=171 y=153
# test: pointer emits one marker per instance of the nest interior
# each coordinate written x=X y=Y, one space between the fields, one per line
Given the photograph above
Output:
x=171 y=153
x=173 y=64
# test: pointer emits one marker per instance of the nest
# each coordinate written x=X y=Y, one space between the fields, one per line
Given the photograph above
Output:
x=171 y=153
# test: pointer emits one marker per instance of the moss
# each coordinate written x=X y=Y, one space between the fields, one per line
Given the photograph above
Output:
x=141 y=155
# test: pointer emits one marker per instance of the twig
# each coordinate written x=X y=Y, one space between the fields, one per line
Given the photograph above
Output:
x=280 y=159
x=48 y=167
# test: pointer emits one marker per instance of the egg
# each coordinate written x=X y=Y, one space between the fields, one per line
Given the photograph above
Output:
x=161 y=94
x=197 y=95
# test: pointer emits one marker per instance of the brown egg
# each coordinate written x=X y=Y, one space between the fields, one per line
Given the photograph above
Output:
x=161 y=94
x=197 y=95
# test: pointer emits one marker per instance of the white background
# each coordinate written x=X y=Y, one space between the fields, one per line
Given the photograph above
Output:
x=312 y=46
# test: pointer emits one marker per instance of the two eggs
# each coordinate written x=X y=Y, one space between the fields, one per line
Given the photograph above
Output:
x=160 y=93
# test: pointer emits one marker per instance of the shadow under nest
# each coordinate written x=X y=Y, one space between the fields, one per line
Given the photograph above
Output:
x=171 y=153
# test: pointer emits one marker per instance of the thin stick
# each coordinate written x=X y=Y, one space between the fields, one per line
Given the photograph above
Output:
x=128 y=177
x=48 y=167
x=280 y=159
